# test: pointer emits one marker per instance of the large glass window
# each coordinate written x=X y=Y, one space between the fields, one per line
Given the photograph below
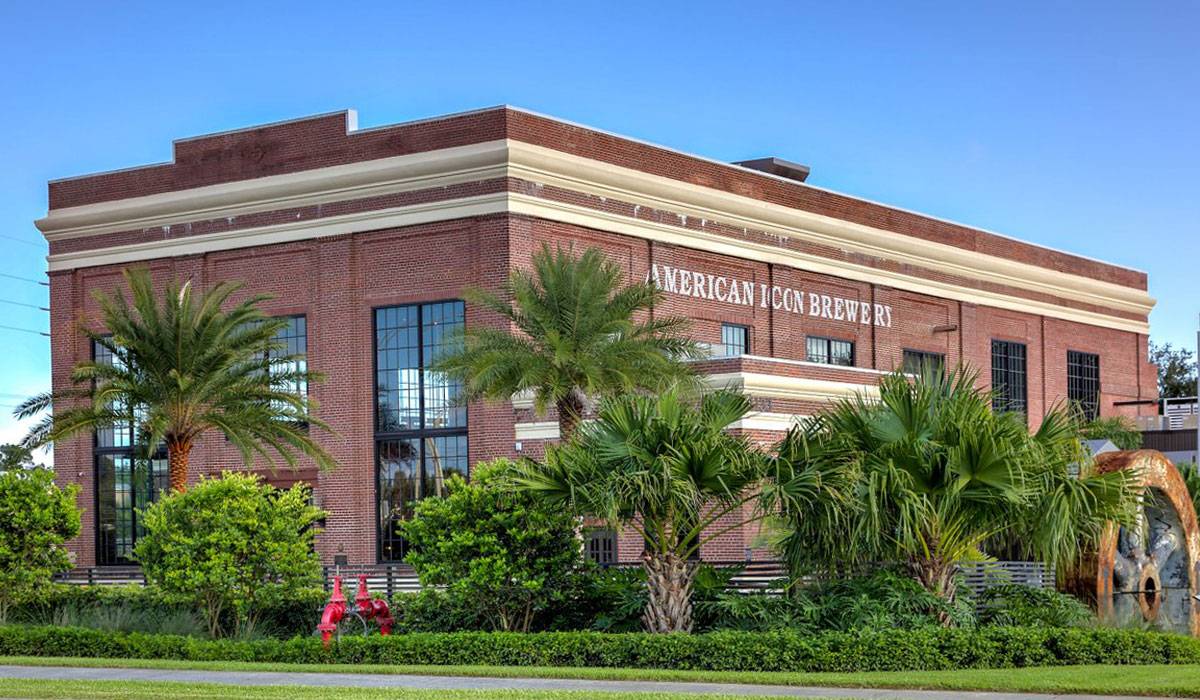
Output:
x=1083 y=382
x=291 y=351
x=735 y=340
x=918 y=361
x=829 y=351
x=420 y=426
x=125 y=483
x=1008 y=376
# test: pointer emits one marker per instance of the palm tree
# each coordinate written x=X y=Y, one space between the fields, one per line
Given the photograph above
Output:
x=182 y=367
x=939 y=475
x=580 y=332
x=669 y=471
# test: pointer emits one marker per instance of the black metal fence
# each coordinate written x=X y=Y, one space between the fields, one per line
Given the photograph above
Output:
x=757 y=576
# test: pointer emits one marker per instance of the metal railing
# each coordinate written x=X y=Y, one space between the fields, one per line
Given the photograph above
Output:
x=753 y=577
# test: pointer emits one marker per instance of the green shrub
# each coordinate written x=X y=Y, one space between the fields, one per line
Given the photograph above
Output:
x=506 y=554
x=1025 y=606
x=146 y=609
x=232 y=546
x=888 y=650
x=1120 y=430
x=877 y=601
x=36 y=518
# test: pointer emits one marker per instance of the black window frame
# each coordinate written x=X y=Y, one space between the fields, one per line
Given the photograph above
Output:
x=913 y=361
x=828 y=342
x=600 y=545
x=745 y=344
x=420 y=435
x=273 y=357
x=154 y=472
x=1010 y=376
x=1083 y=379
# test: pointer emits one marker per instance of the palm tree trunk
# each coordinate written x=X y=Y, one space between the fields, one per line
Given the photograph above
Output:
x=177 y=464
x=939 y=577
x=669 y=580
x=570 y=412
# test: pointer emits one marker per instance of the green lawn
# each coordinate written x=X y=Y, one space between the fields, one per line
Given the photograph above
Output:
x=1176 y=681
x=153 y=690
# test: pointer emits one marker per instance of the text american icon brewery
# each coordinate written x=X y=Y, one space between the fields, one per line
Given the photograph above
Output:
x=701 y=285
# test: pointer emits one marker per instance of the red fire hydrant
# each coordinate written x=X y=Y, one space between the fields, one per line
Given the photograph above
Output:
x=333 y=613
x=365 y=607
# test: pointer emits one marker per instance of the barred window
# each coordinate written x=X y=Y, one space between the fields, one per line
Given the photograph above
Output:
x=601 y=546
x=1009 y=376
x=919 y=361
x=735 y=340
x=420 y=425
x=829 y=351
x=1083 y=382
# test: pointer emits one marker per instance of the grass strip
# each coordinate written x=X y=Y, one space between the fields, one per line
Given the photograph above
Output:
x=155 y=690
x=1166 y=681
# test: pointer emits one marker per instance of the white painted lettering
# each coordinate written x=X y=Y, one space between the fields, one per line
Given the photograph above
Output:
x=839 y=309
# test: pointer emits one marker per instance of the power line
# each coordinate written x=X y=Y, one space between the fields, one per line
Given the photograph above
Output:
x=24 y=279
x=19 y=303
x=25 y=330
x=21 y=240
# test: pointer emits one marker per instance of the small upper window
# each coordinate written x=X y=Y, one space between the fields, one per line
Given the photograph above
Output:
x=918 y=361
x=829 y=351
x=735 y=340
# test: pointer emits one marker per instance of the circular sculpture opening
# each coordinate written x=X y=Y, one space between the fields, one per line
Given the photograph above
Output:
x=1146 y=572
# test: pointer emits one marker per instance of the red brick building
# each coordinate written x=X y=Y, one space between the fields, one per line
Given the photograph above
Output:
x=367 y=237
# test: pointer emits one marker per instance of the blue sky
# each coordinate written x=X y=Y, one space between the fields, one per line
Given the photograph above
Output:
x=1072 y=125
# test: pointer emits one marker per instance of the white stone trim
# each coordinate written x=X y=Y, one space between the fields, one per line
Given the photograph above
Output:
x=546 y=166
x=798 y=388
x=542 y=430
x=762 y=420
x=417 y=171
x=284 y=233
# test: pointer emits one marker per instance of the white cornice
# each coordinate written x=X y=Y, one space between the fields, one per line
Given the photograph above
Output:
x=546 y=166
x=417 y=171
x=284 y=233
x=556 y=168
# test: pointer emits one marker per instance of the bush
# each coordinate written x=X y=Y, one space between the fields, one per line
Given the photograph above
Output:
x=231 y=546
x=1025 y=606
x=146 y=609
x=881 y=600
x=1120 y=430
x=506 y=555
x=889 y=650
x=36 y=518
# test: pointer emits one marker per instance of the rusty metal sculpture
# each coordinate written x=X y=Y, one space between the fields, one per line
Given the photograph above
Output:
x=338 y=619
x=1150 y=573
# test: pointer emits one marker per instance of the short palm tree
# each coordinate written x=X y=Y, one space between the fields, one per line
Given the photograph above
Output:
x=939 y=475
x=666 y=469
x=183 y=367
x=576 y=330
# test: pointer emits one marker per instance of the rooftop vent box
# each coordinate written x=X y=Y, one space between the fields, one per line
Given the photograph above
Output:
x=778 y=166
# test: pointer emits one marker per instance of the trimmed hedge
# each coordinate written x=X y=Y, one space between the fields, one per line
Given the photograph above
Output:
x=892 y=650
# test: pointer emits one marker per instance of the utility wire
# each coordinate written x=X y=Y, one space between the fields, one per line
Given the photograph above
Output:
x=18 y=303
x=25 y=330
x=22 y=240
x=24 y=279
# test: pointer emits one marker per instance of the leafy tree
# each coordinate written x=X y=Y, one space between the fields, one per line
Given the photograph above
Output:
x=182 y=367
x=1176 y=370
x=669 y=471
x=1120 y=430
x=580 y=331
x=36 y=518
x=939 y=475
x=1191 y=478
x=508 y=555
x=16 y=457
x=231 y=545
